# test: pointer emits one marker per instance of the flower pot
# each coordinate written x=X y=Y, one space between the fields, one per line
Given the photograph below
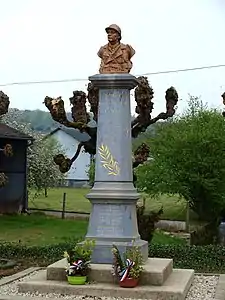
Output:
x=129 y=282
x=76 y=280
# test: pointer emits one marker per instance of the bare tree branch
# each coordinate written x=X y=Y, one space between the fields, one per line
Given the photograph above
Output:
x=93 y=98
x=57 y=111
x=141 y=155
x=78 y=110
x=80 y=118
x=143 y=96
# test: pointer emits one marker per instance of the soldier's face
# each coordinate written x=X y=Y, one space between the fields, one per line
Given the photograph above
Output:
x=113 y=36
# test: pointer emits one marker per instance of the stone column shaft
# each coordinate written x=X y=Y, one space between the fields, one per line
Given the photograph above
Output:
x=113 y=197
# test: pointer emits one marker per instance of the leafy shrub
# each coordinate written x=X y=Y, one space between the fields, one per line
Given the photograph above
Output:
x=189 y=160
x=146 y=222
x=44 y=254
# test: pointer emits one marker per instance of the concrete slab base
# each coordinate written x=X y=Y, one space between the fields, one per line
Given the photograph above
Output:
x=156 y=271
x=159 y=281
x=220 y=289
x=175 y=287
x=19 y=275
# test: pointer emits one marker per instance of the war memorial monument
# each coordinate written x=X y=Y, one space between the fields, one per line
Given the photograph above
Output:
x=113 y=197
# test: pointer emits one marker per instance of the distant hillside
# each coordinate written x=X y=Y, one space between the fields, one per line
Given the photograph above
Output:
x=42 y=122
x=39 y=120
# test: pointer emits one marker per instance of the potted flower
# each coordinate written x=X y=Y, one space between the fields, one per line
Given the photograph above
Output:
x=128 y=268
x=78 y=260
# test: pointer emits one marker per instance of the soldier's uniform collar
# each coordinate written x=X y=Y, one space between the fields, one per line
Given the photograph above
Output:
x=108 y=46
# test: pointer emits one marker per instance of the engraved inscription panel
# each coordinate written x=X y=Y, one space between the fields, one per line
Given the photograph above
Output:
x=110 y=220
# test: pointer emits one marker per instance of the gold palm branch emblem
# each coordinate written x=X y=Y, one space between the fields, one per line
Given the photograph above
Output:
x=108 y=161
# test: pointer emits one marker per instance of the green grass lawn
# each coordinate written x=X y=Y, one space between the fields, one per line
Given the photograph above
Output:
x=39 y=229
x=174 y=207
x=42 y=230
x=75 y=200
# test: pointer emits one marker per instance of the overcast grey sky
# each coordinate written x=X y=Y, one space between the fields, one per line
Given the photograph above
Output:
x=59 y=39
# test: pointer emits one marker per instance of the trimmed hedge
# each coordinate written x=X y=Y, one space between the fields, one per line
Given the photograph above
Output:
x=43 y=254
x=209 y=258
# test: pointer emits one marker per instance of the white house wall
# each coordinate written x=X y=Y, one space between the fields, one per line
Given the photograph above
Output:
x=80 y=167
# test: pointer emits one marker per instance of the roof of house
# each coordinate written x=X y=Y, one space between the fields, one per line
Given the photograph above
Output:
x=12 y=133
x=75 y=133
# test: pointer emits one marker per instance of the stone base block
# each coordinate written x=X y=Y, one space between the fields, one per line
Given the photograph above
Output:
x=156 y=271
x=102 y=253
x=175 y=287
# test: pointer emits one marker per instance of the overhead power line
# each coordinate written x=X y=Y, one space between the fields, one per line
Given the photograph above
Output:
x=42 y=82
x=86 y=79
x=183 y=70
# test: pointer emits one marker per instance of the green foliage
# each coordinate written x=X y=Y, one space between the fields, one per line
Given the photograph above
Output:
x=79 y=258
x=46 y=254
x=146 y=222
x=151 y=131
x=43 y=172
x=209 y=258
x=189 y=160
x=80 y=251
x=133 y=254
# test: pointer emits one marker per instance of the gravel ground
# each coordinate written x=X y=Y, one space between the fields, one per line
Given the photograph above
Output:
x=203 y=287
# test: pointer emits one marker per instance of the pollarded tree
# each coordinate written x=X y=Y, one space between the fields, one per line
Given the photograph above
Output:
x=7 y=149
x=143 y=96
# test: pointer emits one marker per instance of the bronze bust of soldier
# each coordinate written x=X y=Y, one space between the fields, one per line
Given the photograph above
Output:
x=115 y=56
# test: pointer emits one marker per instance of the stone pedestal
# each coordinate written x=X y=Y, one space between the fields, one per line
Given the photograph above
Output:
x=158 y=281
x=113 y=197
